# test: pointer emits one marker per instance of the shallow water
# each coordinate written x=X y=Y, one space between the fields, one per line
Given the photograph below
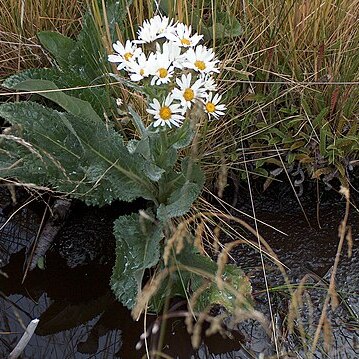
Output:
x=307 y=250
x=79 y=318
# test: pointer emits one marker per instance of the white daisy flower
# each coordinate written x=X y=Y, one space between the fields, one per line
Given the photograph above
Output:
x=171 y=51
x=153 y=29
x=140 y=68
x=182 y=36
x=161 y=69
x=187 y=93
x=201 y=59
x=212 y=107
x=166 y=113
x=209 y=83
x=125 y=54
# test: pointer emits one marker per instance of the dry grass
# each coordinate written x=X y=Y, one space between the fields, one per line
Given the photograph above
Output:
x=20 y=22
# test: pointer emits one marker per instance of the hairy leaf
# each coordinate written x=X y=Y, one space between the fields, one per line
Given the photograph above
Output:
x=116 y=14
x=58 y=45
x=236 y=290
x=183 y=189
x=99 y=97
x=71 y=104
x=89 y=57
x=197 y=272
x=179 y=202
x=137 y=248
x=182 y=137
x=76 y=155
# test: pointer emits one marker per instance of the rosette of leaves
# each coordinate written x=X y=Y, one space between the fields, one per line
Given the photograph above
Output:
x=69 y=147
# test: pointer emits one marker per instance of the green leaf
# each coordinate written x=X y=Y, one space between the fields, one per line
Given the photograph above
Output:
x=261 y=172
x=116 y=13
x=74 y=154
x=323 y=139
x=238 y=284
x=137 y=122
x=184 y=188
x=179 y=202
x=204 y=270
x=71 y=104
x=137 y=248
x=320 y=119
x=182 y=137
x=99 y=98
x=159 y=148
x=58 y=45
x=41 y=263
x=226 y=25
x=89 y=57
x=142 y=147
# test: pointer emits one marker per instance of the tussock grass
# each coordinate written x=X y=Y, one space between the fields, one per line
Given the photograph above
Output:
x=22 y=20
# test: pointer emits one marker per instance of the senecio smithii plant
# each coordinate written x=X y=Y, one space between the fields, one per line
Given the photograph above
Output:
x=73 y=150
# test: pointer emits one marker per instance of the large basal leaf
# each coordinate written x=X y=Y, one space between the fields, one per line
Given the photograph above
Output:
x=195 y=271
x=71 y=104
x=137 y=248
x=226 y=25
x=74 y=154
x=236 y=290
x=87 y=57
x=98 y=97
x=58 y=45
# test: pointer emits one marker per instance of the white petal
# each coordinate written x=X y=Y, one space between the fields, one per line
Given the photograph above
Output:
x=157 y=123
x=157 y=103
x=115 y=58
x=121 y=66
x=152 y=112
x=118 y=47
x=136 y=77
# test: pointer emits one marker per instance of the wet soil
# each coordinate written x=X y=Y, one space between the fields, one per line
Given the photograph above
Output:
x=79 y=317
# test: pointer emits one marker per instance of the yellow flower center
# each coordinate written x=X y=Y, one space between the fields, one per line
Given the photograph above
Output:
x=165 y=113
x=185 y=41
x=127 y=56
x=142 y=72
x=162 y=72
x=188 y=94
x=210 y=107
x=200 y=65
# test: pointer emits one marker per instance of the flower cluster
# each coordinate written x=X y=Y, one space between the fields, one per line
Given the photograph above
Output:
x=167 y=60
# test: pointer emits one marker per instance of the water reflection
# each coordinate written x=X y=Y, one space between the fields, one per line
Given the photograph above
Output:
x=79 y=318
